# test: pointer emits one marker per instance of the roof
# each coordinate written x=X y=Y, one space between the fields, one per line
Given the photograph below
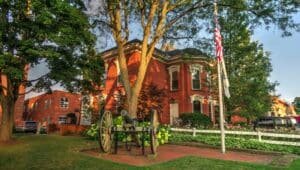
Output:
x=135 y=44
x=190 y=51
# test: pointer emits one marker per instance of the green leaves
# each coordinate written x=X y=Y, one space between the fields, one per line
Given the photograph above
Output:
x=197 y=120
x=248 y=67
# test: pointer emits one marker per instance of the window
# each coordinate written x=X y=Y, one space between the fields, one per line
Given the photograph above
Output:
x=197 y=106
x=50 y=102
x=196 y=70
x=174 y=79
x=196 y=79
x=208 y=79
x=35 y=105
x=64 y=102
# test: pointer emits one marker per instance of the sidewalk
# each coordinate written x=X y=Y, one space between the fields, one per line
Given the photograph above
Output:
x=170 y=152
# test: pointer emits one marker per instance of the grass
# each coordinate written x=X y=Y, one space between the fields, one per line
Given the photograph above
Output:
x=57 y=152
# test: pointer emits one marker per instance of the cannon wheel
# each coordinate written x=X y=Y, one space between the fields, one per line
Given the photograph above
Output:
x=105 y=131
x=153 y=131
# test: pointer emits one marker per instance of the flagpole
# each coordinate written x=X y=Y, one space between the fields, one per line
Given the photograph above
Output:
x=221 y=109
x=220 y=96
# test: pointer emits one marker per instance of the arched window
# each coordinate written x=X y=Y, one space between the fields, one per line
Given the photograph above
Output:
x=64 y=102
x=197 y=101
x=197 y=106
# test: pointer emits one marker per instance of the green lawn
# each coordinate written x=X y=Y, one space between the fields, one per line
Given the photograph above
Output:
x=57 y=152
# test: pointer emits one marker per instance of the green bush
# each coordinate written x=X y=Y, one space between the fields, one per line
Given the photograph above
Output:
x=197 y=120
x=162 y=134
x=93 y=132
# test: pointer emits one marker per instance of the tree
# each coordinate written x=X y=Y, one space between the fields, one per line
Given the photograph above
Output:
x=53 y=32
x=167 y=20
x=151 y=97
x=296 y=104
x=248 y=67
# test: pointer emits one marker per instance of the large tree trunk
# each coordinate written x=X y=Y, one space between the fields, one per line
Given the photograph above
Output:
x=6 y=125
x=132 y=105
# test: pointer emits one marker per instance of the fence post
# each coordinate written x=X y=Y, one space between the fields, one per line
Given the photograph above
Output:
x=194 y=132
x=259 y=136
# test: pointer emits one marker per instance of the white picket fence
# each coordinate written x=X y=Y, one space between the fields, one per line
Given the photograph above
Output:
x=258 y=134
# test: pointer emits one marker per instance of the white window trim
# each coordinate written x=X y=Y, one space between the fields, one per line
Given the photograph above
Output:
x=171 y=70
x=194 y=67
x=68 y=103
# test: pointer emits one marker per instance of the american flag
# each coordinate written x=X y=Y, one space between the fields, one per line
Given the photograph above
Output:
x=218 y=42
x=219 y=55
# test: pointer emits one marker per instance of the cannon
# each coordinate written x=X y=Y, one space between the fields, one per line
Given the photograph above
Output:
x=108 y=133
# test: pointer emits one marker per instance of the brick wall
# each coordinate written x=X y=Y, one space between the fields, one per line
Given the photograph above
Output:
x=47 y=107
x=157 y=73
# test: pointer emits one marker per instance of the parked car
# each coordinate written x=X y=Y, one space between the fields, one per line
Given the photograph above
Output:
x=275 y=122
x=26 y=126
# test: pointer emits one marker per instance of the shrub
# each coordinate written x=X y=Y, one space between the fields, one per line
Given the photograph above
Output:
x=93 y=132
x=196 y=120
x=162 y=134
x=52 y=128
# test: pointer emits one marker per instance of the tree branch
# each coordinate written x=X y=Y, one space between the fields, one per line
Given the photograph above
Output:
x=33 y=80
x=142 y=13
x=126 y=16
x=192 y=8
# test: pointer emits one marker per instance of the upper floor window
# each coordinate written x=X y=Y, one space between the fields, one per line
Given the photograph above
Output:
x=174 y=80
x=174 y=77
x=35 y=105
x=208 y=79
x=64 y=102
x=50 y=101
x=196 y=80
x=195 y=70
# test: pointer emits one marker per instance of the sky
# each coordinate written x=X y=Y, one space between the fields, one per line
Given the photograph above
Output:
x=285 y=59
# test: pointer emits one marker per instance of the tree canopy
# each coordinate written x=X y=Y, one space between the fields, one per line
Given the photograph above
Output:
x=181 y=21
x=248 y=67
x=296 y=104
x=55 y=32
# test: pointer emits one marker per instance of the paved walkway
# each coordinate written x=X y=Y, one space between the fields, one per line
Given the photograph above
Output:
x=170 y=152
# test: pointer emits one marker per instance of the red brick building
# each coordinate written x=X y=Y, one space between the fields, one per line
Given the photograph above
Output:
x=53 y=108
x=183 y=74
